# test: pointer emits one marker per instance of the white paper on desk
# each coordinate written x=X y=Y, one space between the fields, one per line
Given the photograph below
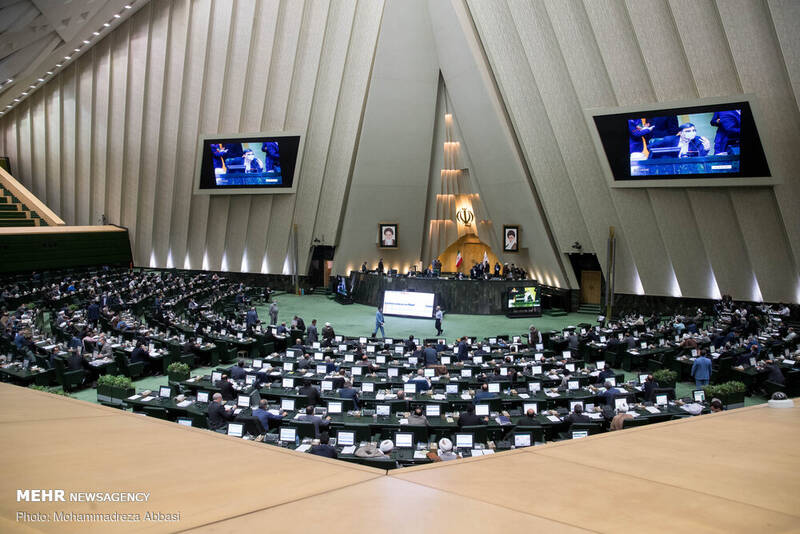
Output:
x=192 y=379
x=275 y=373
x=787 y=361
x=134 y=397
x=303 y=448
x=184 y=404
x=380 y=396
x=524 y=396
x=418 y=455
x=476 y=452
x=49 y=347
x=488 y=451
x=551 y=394
x=595 y=415
x=554 y=418
x=466 y=396
x=449 y=419
x=403 y=421
x=652 y=409
x=633 y=414
x=148 y=398
x=349 y=450
x=439 y=396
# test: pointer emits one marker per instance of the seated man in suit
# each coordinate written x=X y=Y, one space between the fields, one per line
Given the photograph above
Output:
x=311 y=393
x=605 y=374
x=423 y=383
x=408 y=345
x=774 y=373
x=218 y=416
x=262 y=414
x=468 y=418
x=324 y=449
x=320 y=424
x=349 y=392
x=609 y=394
x=577 y=416
x=687 y=142
x=649 y=388
x=528 y=419
x=226 y=389
x=238 y=372
x=305 y=362
x=139 y=354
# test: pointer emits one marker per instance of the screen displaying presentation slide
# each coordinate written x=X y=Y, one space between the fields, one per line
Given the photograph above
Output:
x=248 y=164
x=409 y=303
x=708 y=141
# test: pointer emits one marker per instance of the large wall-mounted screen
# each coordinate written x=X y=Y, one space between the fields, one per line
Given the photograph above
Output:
x=248 y=164
x=410 y=303
x=702 y=144
x=524 y=301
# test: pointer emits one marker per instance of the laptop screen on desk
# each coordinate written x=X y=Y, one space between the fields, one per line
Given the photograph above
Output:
x=482 y=409
x=345 y=437
x=184 y=421
x=466 y=373
x=642 y=378
x=445 y=360
x=432 y=410
x=699 y=395
x=216 y=376
x=235 y=429
x=618 y=403
x=322 y=369
x=243 y=401
x=367 y=387
x=403 y=440
x=530 y=406
x=287 y=405
x=430 y=373
x=393 y=371
x=258 y=364
x=287 y=383
x=464 y=441
x=494 y=387
x=202 y=396
x=287 y=434
x=451 y=389
x=334 y=407
x=384 y=410
x=250 y=380
x=410 y=387
x=356 y=370
x=661 y=400
x=165 y=392
x=522 y=440
x=578 y=434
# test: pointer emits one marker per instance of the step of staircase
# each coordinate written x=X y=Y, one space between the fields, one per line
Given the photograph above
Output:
x=555 y=312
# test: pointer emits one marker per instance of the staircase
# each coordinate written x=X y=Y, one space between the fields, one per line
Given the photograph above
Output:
x=14 y=213
x=593 y=309
x=554 y=312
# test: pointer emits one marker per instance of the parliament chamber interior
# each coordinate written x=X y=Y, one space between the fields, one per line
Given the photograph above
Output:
x=475 y=265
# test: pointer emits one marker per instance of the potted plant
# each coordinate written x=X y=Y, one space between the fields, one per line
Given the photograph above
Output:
x=114 y=389
x=665 y=378
x=178 y=372
x=730 y=393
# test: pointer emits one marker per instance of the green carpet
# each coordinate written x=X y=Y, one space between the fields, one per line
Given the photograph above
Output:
x=359 y=320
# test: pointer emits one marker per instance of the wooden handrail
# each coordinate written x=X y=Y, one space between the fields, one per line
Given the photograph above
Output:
x=29 y=199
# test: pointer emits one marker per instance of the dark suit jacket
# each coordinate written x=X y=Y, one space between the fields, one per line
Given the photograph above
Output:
x=324 y=450
x=774 y=374
x=350 y=393
x=227 y=391
x=649 y=390
x=238 y=373
x=218 y=416
x=695 y=145
x=75 y=362
x=138 y=355
x=469 y=419
x=312 y=394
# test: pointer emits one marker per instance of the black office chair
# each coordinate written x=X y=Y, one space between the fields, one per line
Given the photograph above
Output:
x=637 y=421
x=305 y=429
x=363 y=431
x=379 y=463
x=157 y=412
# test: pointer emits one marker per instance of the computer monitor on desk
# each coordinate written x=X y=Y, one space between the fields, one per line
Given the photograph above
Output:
x=494 y=387
x=367 y=387
x=334 y=407
x=216 y=376
x=287 y=435
x=287 y=405
x=202 y=396
x=451 y=389
x=699 y=395
x=403 y=440
x=185 y=421
x=464 y=441
x=235 y=429
x=482 y=410
x=383 y=410
x=662 y=400
x=346 y=438
x=432 y=410
x=243 y=401
x=287 y=383
x=410 y=387
x=522 y=439
x=165 y=392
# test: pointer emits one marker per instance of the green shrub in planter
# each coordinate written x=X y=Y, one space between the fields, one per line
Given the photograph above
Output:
x=111 y=388
x=53 y=390
x=178 y=371
x=728 y=392
x=665 y=377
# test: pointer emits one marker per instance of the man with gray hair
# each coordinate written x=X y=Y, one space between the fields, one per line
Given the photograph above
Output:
x=273 y=313
x=621 y=417
x=218 y=416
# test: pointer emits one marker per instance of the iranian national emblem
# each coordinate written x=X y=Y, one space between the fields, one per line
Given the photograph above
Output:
x=465 y=216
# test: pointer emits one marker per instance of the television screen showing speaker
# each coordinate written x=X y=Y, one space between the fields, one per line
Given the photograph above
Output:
x=410 y=303
x=248 y=164
x=714 y=143
x=523 y=300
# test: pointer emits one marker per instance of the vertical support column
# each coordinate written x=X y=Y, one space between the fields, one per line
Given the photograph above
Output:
x=611 y=264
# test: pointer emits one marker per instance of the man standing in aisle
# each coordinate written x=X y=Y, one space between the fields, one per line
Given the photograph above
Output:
x=701 y=370
x=438 y=315
x=273 y=313
x=379 y=323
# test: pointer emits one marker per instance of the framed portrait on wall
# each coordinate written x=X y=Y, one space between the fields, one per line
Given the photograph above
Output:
x=510 y=238
x=387 y=235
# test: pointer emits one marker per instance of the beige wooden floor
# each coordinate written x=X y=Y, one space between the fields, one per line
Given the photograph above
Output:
x=732 y=472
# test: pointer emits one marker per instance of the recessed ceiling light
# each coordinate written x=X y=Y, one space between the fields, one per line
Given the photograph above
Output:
x=41 y=79
x=24 y=93
x=85 y=42
x=32 y=86
x=16 y=100
x=106 y=24
x=49 y=72
x=58 y=65
x=67 y=58
x=9 y=80
x=95 y=33
x=128 y=6
x=117 y=15
x=77 y=50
